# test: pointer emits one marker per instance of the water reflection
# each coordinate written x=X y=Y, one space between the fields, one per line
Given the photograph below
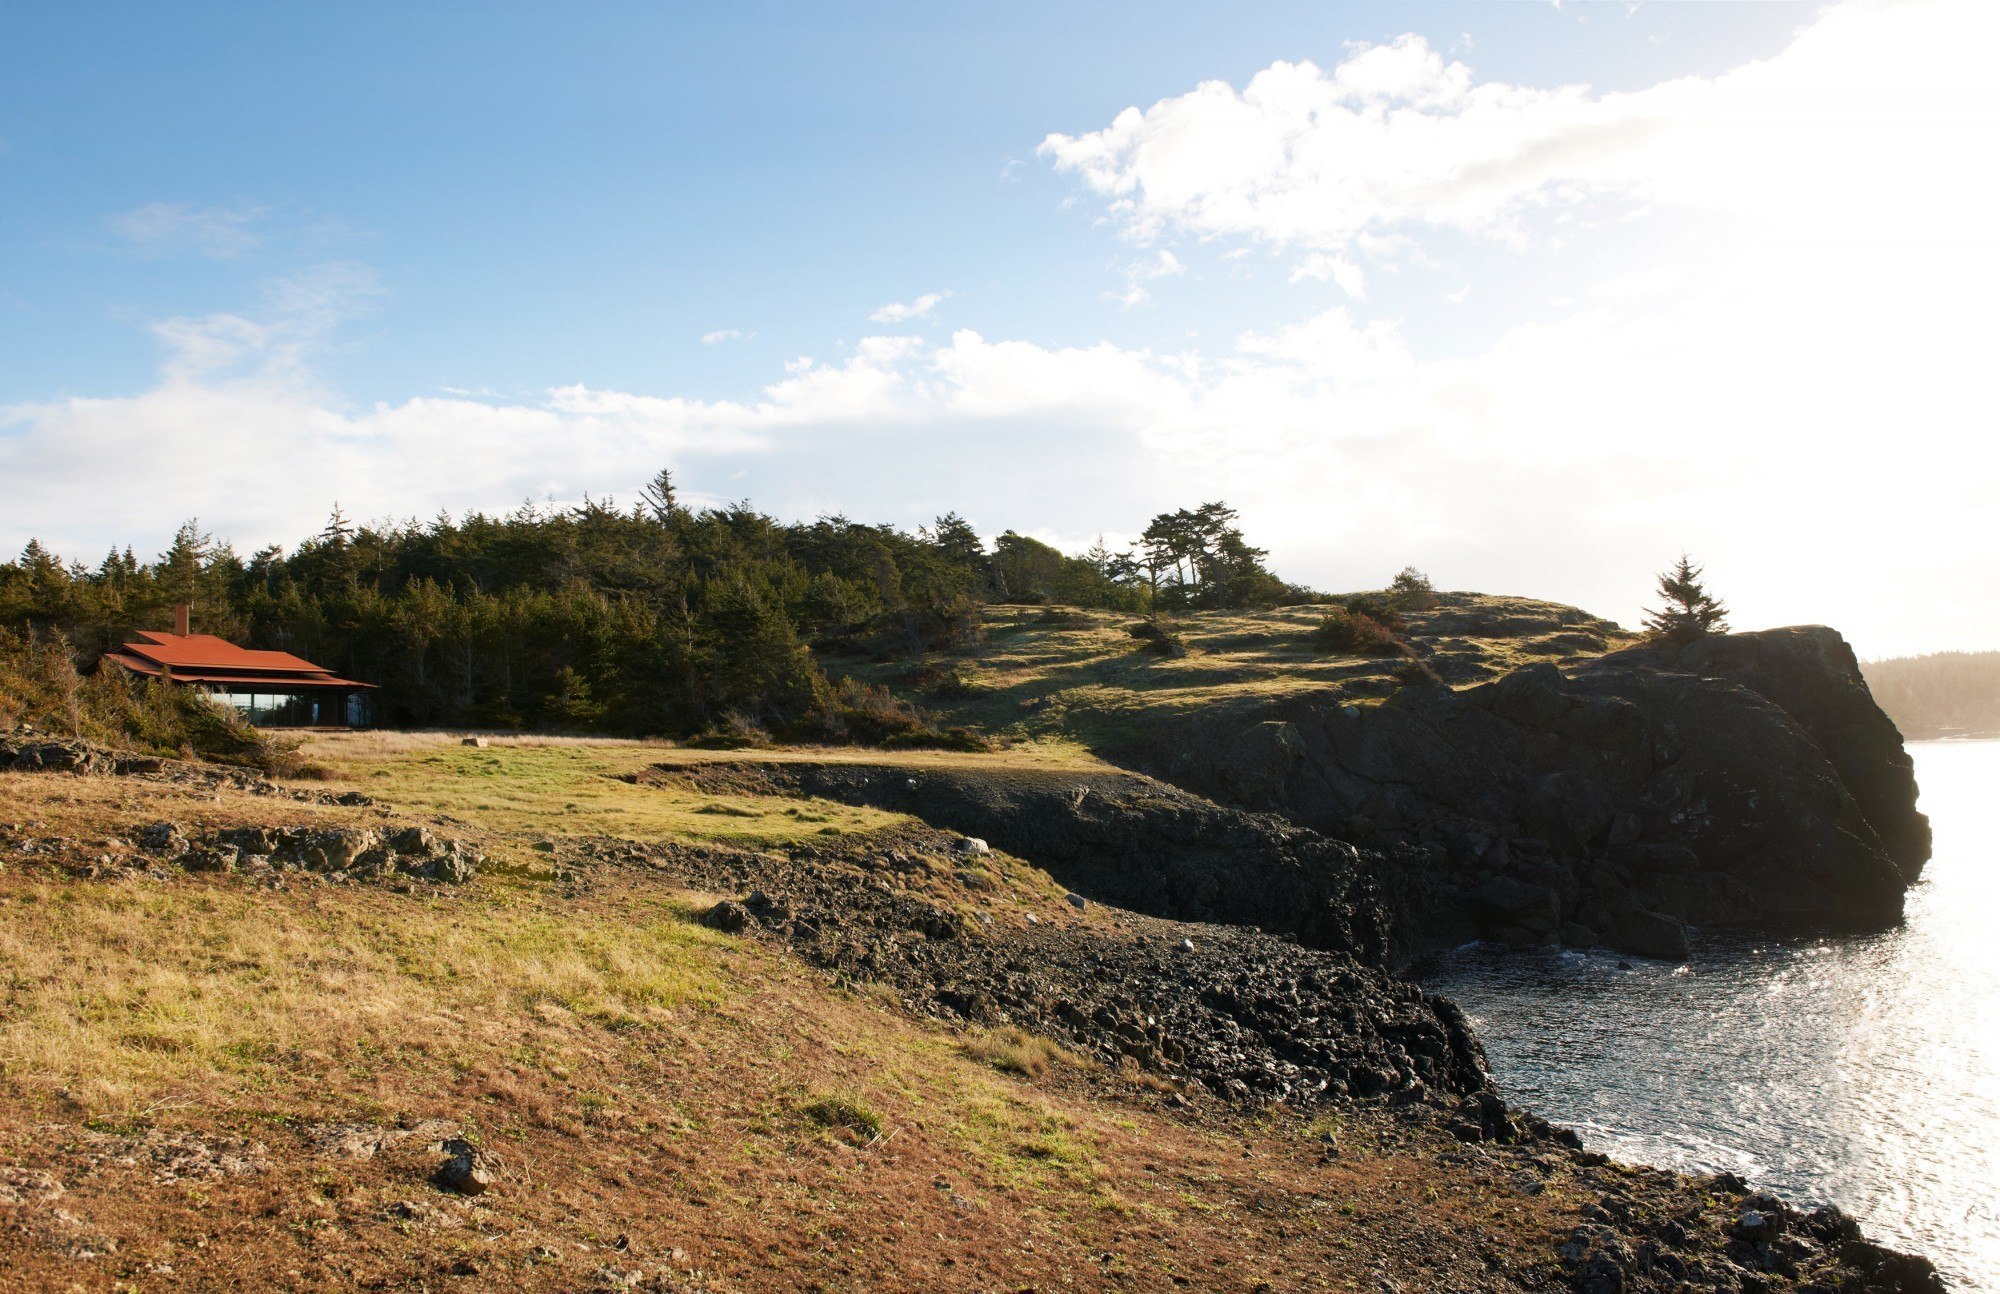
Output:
x=1864 y=1071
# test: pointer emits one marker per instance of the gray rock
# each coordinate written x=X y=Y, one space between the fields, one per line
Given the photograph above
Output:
x=165 y=839
x=468 y=1170
x=728 y=916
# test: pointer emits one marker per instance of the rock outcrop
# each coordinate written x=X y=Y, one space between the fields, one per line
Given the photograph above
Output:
x=1122 y=839
x=1745 y=780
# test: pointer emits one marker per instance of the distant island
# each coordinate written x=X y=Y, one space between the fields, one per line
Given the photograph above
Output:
x=1943 y=694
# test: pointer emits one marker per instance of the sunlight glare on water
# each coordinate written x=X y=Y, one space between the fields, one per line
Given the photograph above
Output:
x=1864 y=1071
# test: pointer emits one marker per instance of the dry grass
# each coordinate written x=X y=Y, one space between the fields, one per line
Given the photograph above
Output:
x=655 y=1088
x=116 y=993
x=1016 y=1051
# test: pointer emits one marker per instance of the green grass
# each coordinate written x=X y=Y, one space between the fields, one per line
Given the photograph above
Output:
x=1083 y=682
x=567 y=789
x=841 y=1112
x=111 y=990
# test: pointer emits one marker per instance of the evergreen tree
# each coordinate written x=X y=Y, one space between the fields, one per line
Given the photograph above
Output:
x=1690 y=611
x=652 y=620
x=658 y=497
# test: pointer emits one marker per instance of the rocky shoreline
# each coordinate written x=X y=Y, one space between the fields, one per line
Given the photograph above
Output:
x=1242 y=1023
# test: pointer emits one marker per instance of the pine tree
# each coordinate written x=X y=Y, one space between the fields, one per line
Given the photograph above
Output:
x=1690 y=611
x=657 y=496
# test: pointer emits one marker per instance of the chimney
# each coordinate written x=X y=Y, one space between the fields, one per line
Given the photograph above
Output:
x=181 y=621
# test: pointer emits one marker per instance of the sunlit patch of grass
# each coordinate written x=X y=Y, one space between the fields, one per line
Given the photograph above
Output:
x=114 y=990
x=841 y=1112
x=1026 y=1144
x=1016 y=1051
x=570 y=788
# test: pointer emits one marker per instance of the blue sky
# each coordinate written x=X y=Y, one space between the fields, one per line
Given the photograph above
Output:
x=454 y=254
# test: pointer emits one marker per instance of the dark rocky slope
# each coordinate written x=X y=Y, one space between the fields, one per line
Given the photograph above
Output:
x=1746 y=780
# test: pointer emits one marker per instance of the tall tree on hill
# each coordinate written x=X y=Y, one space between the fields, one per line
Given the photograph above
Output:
x=1690 y=610
x=658 y=496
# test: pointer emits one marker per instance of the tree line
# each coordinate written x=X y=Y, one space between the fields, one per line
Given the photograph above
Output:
x=1943 y=694
x=652 y=618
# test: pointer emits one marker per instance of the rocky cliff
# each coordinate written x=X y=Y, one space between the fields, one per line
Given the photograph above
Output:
x=1743 y=780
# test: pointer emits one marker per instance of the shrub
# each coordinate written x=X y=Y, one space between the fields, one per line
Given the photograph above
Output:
x=40 y=686
x=1411 y=590
x=733 y=731
x=1413 y=673
x=842 y=1112
x=870 y=715
x=1161 y=637
x=1353 y=634
x=1376 y=608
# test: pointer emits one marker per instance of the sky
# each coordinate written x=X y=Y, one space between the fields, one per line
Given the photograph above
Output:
x=1533 y=296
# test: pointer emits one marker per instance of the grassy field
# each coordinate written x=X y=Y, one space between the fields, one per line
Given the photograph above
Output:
x=211 y=1080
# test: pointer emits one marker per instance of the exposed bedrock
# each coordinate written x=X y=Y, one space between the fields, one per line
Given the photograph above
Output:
x=1126 y=840
x=1745 y=780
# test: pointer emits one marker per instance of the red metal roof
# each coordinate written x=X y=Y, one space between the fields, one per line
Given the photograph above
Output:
x=204 y=658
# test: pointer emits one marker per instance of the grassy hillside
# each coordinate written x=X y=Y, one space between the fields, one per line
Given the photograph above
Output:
x=1065 y=674
x=251 y=1074
x=210 y=1079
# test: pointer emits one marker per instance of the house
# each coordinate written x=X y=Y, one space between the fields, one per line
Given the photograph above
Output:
x=271 y=689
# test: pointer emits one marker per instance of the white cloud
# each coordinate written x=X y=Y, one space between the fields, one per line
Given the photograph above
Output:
x=721 y=335
x=301 y=312
x=1398 y=139
x=1162 y=264
x=1339 y=267
x=904 y=311
x=167 y=228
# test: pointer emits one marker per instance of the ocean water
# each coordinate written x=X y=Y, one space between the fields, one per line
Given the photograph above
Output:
x=1863 y=1072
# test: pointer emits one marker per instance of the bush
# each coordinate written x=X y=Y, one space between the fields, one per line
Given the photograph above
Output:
x=41 y=687
x=870 y=715
x=951 y=684
x=842 y=1112
x=1353 y=634
x=1411 y=590
x=733 y=731
x=1376 y=608
x=1161 y=637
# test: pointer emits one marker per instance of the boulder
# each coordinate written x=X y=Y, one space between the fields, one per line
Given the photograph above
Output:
x=728 y=916
x=164 y=839
x=467 y=1170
